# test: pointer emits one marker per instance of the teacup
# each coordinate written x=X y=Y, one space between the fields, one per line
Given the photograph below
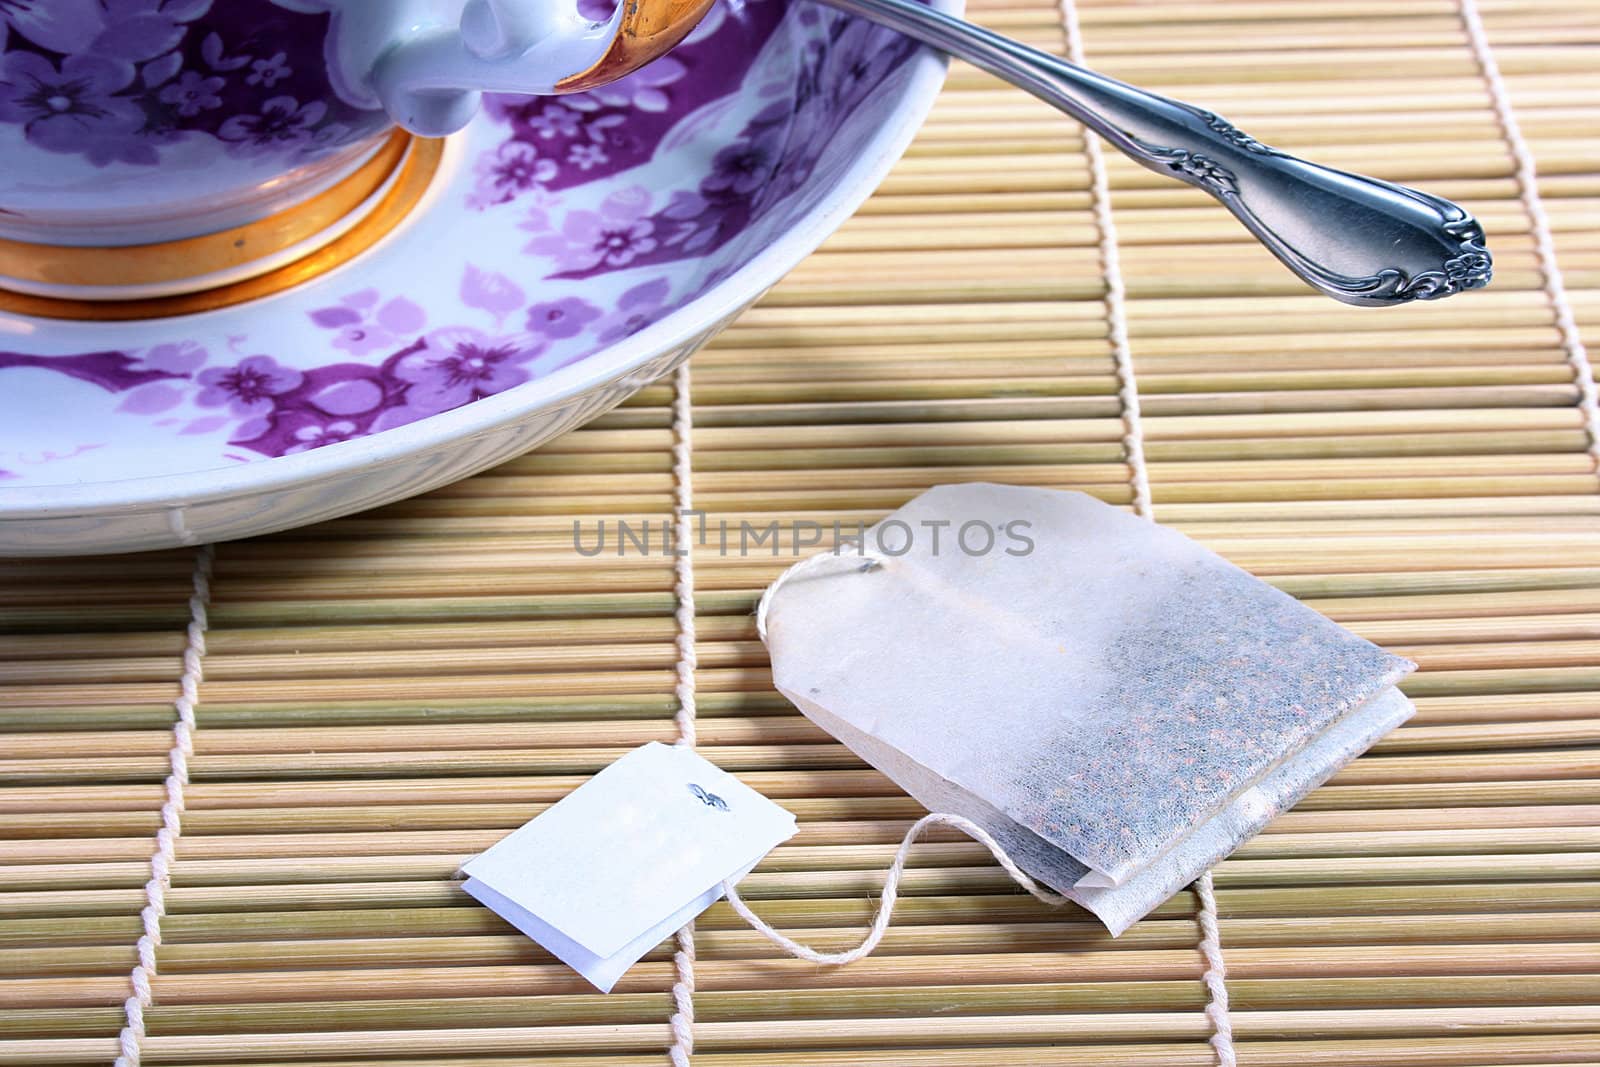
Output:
x=134 y=122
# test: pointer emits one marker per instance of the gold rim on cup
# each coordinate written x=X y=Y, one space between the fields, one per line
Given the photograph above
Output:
x=405 y=163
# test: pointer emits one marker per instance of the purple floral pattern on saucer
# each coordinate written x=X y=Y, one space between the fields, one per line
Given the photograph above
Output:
x=274 y=409
x=580 y=138
x=559 y=142
x=115 y=372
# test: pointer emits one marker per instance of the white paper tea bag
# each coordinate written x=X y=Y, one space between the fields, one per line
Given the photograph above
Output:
x=1117 y=705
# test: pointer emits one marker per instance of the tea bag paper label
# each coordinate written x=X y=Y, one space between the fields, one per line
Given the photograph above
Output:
x=608 y=872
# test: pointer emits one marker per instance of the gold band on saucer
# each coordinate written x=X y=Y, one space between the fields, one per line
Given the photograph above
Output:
x=417 y=157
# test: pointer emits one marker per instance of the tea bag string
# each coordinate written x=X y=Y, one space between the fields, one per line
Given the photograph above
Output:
x=891 y=881
x=891 y=892
x=863 y=564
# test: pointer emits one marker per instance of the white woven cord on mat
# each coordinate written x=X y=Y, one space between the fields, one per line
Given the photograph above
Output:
x=155 y=890
x=1216 y=973
x=1527 y=177
x=688 y=659
x=1116 y=292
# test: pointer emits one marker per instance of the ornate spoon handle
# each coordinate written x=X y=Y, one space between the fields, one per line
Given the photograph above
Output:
x=1359 y=240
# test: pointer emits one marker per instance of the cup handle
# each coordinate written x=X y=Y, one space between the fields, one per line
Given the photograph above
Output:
x=431 y=83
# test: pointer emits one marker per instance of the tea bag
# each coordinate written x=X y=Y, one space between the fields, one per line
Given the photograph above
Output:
x=1117 y=705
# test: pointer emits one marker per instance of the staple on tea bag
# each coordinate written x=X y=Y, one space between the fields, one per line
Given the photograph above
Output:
x=1116 y=705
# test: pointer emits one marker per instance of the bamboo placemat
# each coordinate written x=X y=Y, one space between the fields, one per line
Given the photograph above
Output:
x=388 y=693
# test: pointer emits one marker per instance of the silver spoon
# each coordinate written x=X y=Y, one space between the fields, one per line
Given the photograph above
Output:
x=1360 y=240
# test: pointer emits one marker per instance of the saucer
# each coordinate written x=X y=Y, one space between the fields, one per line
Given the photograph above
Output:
x=567 y=251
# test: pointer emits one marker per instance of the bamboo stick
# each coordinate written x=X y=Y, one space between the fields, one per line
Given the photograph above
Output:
x=1449 y=794
x=854 y=1033
x=717 y=975
x=814 y=1004
x=263 y=833
x=1465 y=1052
